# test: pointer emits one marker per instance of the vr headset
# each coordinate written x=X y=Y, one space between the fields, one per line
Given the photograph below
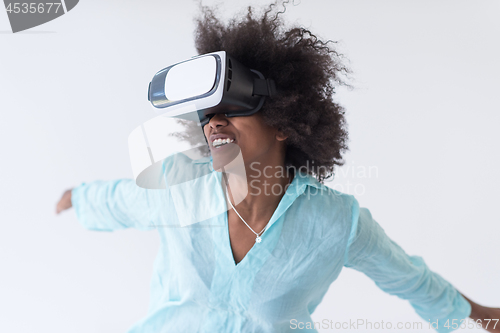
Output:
x=208 y=84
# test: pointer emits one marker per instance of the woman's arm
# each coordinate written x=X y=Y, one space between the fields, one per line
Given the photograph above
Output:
x=116 y=204
x=370 y=251
x=489 y=318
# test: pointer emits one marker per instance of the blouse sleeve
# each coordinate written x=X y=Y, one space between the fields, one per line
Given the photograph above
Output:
x=116 y=204
x=372 y=252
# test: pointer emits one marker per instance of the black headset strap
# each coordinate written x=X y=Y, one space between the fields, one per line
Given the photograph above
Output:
x=262 y=86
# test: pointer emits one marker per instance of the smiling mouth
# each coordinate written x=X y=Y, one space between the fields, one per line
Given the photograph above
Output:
x=217 y=143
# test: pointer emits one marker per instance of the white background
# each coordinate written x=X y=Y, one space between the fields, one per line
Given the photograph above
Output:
x=425 y=114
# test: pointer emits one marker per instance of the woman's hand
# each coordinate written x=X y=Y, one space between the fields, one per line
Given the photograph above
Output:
x=65 y=202
x=489 y=318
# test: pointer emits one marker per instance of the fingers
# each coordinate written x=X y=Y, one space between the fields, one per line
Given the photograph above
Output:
x=60 y=206
x=64 y=203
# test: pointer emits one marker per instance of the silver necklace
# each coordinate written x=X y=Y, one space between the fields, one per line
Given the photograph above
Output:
x=258 y=239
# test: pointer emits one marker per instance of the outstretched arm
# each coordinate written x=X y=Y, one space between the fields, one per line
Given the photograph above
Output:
x=113 y=205
x=372 y=252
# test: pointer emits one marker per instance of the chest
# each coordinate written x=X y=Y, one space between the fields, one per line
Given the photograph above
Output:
x=241 y=238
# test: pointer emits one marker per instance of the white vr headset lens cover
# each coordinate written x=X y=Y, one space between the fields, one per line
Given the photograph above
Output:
x=190 y=79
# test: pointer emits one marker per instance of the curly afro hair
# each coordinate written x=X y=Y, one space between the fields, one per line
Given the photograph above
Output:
x=306 y=71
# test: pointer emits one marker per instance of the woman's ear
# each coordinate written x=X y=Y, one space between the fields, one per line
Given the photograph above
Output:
x=280 y=136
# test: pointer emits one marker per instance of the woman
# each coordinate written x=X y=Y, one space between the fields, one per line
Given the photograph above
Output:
x=266 y=263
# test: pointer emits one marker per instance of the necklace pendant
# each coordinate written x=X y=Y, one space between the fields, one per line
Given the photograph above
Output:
x=258 y=239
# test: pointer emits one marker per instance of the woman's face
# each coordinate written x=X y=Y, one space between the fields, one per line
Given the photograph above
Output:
x=257 y=141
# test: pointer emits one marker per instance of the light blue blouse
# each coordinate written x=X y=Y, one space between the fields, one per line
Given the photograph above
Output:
x=314 y=232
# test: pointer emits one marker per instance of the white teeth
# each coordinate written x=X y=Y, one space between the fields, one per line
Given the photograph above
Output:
x=219 y=142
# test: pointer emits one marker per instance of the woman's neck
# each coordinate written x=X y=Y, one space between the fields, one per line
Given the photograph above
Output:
x=256 y=192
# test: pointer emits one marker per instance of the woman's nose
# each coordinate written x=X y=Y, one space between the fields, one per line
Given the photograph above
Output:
x=218 y=119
